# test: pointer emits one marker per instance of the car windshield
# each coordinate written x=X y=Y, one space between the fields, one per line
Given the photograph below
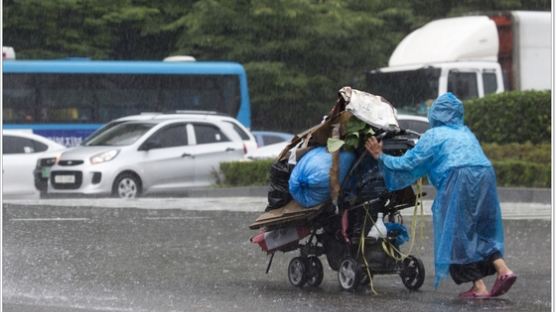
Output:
x=119 y=135
x=99 y=131
x=415 y=125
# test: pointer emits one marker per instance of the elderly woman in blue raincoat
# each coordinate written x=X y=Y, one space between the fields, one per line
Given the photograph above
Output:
x=468 y=230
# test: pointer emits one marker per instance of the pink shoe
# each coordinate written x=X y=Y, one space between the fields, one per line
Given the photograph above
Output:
x=502 y=284
x=471 y=294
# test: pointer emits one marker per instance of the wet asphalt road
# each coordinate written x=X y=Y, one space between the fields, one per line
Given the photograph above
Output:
x=127 y=259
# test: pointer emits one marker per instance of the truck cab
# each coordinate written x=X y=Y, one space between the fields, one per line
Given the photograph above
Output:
x=470 y=56
x=412 y=88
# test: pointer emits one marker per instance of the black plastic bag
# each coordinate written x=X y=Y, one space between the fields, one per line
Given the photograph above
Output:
x=278 y=193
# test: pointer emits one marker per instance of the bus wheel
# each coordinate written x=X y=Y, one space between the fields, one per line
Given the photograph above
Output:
x=127 y=185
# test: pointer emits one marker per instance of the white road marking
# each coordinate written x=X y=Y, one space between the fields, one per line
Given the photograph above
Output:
x=50 y=219
x=174 y=218
x=251 y=204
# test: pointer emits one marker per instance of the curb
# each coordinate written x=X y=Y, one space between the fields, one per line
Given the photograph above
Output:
x=505 y=194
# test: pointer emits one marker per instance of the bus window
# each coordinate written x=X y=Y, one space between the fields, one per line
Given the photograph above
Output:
x=19 y=99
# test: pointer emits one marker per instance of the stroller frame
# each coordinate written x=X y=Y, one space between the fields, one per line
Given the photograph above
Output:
x=357 y=258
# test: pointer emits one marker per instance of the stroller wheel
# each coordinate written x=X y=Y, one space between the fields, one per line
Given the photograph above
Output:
x=349 y=274
x=297 y=271
x=412 y=273
x=316 y=272
x=364 y=277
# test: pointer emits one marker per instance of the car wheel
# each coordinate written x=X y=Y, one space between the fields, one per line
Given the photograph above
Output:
x=127 y=185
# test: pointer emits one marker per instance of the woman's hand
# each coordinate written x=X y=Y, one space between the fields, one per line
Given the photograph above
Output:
x=374 y=147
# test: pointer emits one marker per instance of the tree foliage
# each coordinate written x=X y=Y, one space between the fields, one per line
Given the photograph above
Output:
x=297 y=53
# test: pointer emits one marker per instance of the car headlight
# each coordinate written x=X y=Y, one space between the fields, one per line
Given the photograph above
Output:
x=47 y=162
x=104 y=157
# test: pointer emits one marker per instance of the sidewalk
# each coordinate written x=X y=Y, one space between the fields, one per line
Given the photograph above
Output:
x=510 y=210
x=505 y=194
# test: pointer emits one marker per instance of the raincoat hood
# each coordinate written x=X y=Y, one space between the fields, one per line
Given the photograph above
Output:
x=446 y=110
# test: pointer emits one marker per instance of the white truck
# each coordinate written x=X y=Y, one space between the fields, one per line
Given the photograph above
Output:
x=470 y=56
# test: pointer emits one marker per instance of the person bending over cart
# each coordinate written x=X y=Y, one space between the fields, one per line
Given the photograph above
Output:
x=468 y=230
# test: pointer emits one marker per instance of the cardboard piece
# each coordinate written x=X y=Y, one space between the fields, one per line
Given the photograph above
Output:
x=290 y=212
x=317 y=135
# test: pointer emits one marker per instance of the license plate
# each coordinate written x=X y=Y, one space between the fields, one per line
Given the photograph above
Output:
x=64 y=179
x=45 y=172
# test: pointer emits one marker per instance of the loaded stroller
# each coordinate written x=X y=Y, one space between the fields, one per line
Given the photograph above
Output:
x=327 y=197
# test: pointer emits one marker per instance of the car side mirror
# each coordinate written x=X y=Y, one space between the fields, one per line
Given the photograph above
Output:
x=149 y=145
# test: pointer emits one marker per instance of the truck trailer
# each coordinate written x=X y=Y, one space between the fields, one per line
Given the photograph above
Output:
x=470 y=56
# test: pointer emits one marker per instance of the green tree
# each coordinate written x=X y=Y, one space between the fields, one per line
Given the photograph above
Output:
x=50 y=29
x=116 y=29
x=297 y=53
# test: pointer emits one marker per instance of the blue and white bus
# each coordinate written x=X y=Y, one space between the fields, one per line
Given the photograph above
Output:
x=66 y=100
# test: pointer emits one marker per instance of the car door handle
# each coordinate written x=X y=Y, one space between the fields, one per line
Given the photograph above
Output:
x=187 y=155
x=230 y=149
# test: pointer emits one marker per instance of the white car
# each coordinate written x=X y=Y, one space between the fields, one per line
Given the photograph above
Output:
x=150 y=155
x=249 y=141
x=419 y=124
x=271 y=137
x=21 y=149
x=271 y=151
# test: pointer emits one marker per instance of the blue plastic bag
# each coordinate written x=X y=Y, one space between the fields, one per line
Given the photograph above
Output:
x=309 y=182
x=399 y=230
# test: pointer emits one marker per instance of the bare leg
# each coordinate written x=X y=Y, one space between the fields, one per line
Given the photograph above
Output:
x=501 y=267
x=479 y=287
x=504 y=280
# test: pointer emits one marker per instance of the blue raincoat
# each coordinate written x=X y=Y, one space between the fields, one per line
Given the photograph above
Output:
x=466 y=212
